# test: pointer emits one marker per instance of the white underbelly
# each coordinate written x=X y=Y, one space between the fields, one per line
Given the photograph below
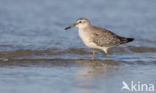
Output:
x=86 y=38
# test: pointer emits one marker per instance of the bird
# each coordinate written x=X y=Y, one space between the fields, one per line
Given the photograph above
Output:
x=97 y=38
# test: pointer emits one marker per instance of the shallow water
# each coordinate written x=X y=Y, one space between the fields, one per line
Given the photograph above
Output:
x=38 y=56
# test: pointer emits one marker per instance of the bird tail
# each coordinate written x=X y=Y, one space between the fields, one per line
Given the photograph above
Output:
x=126 y=40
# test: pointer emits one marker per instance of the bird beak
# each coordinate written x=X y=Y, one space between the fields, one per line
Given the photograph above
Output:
x=71 y=26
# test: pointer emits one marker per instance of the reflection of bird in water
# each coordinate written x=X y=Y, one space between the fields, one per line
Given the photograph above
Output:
x=98 y=38
x=91 y=72
x=89 y=76
x=86 y=78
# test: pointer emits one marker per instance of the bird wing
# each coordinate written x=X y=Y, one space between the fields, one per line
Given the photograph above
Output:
x=103 y=37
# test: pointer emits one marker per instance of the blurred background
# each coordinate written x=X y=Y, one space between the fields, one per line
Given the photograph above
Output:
x=40 y=24
x=34 y=29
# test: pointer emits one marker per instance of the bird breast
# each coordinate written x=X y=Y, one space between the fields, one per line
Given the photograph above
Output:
x=86 y=38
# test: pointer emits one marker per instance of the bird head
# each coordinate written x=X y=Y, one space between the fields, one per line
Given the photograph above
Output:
x=80 y=23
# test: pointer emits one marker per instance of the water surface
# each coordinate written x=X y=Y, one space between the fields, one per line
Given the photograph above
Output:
x=38 y=56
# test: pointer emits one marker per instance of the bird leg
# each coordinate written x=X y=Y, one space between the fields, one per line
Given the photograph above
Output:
x=107 y=56
x=93 y=56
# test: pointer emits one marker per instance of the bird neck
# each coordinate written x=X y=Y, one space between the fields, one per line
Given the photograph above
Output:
x=84 y=27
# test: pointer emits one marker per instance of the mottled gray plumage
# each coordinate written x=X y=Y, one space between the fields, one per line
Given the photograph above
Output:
x=105 y=38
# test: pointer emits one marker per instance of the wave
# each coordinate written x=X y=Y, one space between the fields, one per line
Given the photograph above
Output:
x=67 y=62
x=78 y=51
